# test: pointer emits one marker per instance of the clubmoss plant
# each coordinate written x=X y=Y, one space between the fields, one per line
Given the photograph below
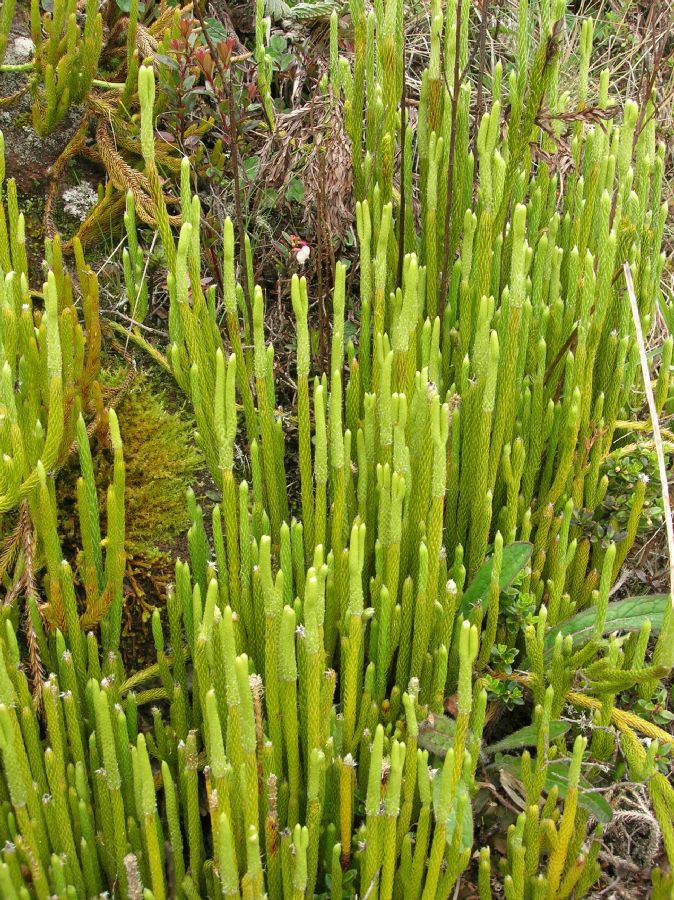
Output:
x=291 y=747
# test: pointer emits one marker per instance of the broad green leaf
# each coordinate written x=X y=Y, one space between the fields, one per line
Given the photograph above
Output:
x=515 y=558
x=596 y=804
x=277 y=9
x=623 y=615
x=216 y=30
x=466 y=822
x=318 y=9
x=527 y=737
x=436 y=734
x=557 y=775
x=250 y=166
x=295 y=191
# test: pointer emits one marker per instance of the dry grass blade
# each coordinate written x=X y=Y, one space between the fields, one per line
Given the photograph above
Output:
x=657 y=435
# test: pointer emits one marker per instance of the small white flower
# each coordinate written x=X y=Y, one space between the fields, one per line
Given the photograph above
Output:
x=303 y=254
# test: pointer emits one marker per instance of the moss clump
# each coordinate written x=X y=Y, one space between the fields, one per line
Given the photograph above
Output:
x=161 y=463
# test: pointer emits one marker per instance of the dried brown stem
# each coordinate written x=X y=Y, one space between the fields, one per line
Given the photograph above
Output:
x=482 y=45
x=230 y=128
x=450 y=164
x=401 y=225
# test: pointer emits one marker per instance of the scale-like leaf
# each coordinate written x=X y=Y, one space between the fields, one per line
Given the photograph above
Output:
x=623 y=615
x=515 y=558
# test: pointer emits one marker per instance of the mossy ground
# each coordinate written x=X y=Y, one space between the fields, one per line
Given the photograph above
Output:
x=162 y=462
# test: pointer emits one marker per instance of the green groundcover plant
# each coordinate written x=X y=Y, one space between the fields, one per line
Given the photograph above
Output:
x=290 y=740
